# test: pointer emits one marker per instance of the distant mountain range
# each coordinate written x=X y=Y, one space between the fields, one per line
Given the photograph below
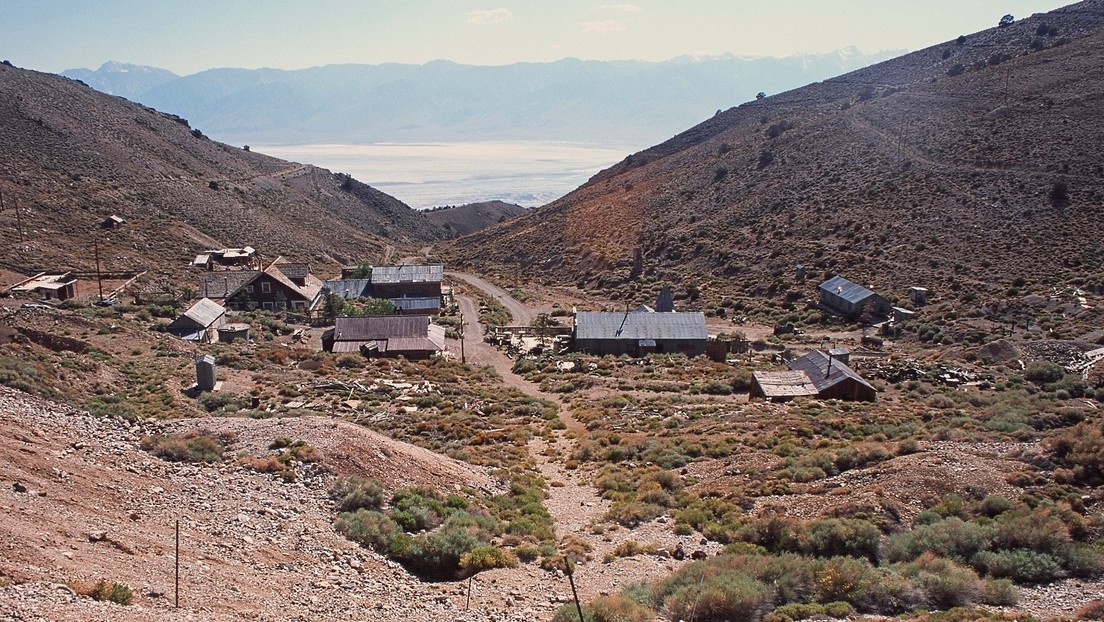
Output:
x=608 y=102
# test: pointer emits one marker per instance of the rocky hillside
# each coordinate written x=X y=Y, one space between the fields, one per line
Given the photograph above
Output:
x=459 y=220
x=71 y=156
x=971 y=167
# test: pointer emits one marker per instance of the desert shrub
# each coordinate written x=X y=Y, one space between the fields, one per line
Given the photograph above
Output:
x=1081 y=449
x=437 y=554
x=720 y=598
x=1037 y=530
x=793 y=612
x=102 y=590
x=945 y=584
x=994 y=505
x=188 y=447
x=350 y=361
x=1083 y=560
x=1042 y=372
x=486 y=557
x=417 y=509
x=833 y=537
x=222 y=403
x=999 y=593
x=614 y=608
x=356 y=493
x=952 y=538
x=1020 y=565
x=369 y=529
x=1092 y=610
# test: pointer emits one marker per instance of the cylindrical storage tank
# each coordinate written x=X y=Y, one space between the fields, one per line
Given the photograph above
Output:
x=231 y=332
x=205 y=372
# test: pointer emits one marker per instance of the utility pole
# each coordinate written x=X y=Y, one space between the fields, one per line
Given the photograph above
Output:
x=463 y=357
x=99 y=277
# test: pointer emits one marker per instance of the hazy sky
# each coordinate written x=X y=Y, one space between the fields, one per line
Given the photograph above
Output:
x=186 y=36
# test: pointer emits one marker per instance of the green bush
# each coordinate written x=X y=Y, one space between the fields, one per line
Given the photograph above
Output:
x=833 y=537
x=188 y=447
x=1020 y=565
x=369 y=529
x=952 y=538
x=356 y=493
x=118 y=593
x=486 y=557
x=945 y=583
x=720 y=598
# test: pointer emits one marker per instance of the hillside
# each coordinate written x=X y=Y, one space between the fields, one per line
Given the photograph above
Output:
x=622 y=102
x=73 y=156
x=459 y=220
x=971 y=168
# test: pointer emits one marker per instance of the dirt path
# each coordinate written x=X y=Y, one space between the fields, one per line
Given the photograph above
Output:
x=523 y=314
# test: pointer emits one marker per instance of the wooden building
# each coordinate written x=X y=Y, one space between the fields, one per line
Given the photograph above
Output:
x=640 y=333
x=413 y=337
x=847 y=298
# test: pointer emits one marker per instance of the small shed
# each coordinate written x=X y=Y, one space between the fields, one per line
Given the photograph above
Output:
x=205 y=372
x=112 y=221
x=61 y=286
x=918 y=296
x=200 y=322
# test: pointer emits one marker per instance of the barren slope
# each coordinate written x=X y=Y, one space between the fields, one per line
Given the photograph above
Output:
x=961 y=167
x=72 y=156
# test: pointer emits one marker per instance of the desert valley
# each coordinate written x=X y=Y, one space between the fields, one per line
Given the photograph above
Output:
x=833 y=353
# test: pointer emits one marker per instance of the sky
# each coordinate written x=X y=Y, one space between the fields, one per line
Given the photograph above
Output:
x=188 y=36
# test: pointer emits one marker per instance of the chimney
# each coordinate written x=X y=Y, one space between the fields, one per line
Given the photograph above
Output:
x=828 y=372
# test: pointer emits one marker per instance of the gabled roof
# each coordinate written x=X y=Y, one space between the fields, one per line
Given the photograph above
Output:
x=845 y=289
x=816 y=365
x=205 y=312
x=407 y=273
x=427 y=303
x=380 y=327
x=293 y=270
x=638 y=326
x=311 y=288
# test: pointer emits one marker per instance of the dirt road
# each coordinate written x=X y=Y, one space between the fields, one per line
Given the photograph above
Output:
x=522 y=313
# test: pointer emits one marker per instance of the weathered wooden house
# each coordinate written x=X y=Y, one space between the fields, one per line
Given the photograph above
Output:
x=413 y=337
x=244 y=257
x=280 y=286
x=815 y=374
x=637 y=334
x=850 y=299
x=200 y=322
x=833 y=378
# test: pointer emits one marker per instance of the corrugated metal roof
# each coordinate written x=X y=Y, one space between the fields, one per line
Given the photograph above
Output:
x=845 y=289
x=408 y=273
x=815 y=364
x=378 y=327
x=205 y=312
x=785 y=383
x=417 y=304
x=637 y=326
x=350 y=288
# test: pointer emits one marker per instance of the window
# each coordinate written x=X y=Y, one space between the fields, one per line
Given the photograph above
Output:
x=266 y=287
x=281 y=305
x=267 y=306
x=249 y=289
x=298 y=304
